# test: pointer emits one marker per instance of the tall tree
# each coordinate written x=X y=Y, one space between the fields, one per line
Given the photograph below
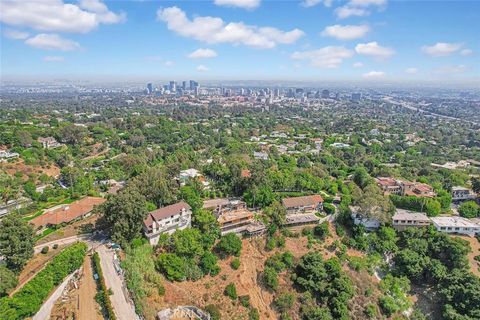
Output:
x=125 y=213
x=16 y=242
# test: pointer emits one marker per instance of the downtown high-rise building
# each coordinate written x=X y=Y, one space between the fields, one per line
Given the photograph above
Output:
x=172 y=86
x=149 y=88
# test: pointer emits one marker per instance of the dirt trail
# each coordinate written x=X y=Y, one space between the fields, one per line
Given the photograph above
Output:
x=88 y=307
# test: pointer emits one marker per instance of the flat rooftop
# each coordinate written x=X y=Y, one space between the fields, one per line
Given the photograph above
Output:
x=402 y=214
x=454 y=222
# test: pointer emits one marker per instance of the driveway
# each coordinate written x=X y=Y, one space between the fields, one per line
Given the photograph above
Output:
x=124 y=309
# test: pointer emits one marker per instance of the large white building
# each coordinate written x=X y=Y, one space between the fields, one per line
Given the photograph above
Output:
x=462 y=194
x=168 y=219
x=456 y=225
x=404 y=219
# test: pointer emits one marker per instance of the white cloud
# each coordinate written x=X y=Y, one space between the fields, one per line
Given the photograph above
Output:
x=442 y=49
x=358 y=8
x=373 y=49
x=245 y=4
x=466 y=52
x=326 y=57
x=358 y=65
x=202 y=68
x=367 y=3
x=313 y=3
x=55 y=15
x=411 y=70
x=15 y=34
x=52 y=42
x=346 y=11
x=374 y=75
x=215 y=30
x=53 y=59
x=169 y=63
x=202 y=54
x=451 y=69
x=346 y=32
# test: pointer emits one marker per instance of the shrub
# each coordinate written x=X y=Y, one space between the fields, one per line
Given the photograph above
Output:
x=244 y=301
x=235 y=264
x=230 y=291
x=55 y=246
x=213 y=311
x=44 y=250
x=229 y=245
x=370 y=311
x=253 y=314
x=172 y=266
x=28 y=300
x=270 y=278
x=322 y=230
x=103 y=293
x=329 y=208
x=284 y=301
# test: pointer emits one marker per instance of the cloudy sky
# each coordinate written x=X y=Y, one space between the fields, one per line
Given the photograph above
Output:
x=359 y=40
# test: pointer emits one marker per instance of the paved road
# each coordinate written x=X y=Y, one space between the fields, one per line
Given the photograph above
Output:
x=46 y=309
x=124 y=310
x=63 y=241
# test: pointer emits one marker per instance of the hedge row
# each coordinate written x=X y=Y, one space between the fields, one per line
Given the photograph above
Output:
x=28 y=300
x=103 y=291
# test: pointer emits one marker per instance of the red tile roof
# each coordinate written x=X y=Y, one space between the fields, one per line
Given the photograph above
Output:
x=302 y=201
x=68 y=212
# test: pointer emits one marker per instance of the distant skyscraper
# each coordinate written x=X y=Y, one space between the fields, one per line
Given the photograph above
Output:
x=356 y=96
x=325 y=94
x=197 y=89
x=173 y=86
x=149 y=88
x=184 y=85
x=277 y=93
x=193 y=84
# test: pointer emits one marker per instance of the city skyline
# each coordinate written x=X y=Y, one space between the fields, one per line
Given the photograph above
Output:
x=310 y=40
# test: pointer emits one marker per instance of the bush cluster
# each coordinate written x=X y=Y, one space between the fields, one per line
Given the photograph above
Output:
x=28 y=300
x=103 y=293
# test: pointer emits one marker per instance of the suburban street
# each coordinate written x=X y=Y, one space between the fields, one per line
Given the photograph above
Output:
x=124 y=310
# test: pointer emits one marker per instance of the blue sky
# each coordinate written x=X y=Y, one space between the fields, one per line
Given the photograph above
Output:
x=360 y=40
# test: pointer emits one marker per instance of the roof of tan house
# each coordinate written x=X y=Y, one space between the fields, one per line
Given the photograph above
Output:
x=234 y=215
x=68 y=212
x=165 y=212
x=302 y=201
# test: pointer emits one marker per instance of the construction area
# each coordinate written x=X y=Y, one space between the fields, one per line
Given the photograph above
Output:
x=78 y=298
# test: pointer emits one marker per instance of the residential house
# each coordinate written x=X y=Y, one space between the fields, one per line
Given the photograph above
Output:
x=6 y=155
x=305 y=204
x=389 y=185
x=369 y=223
x=260 y=155
x=299 y=219
x=189 y=174
x=404 y=188
x=222 y=205
x=49 y=142
x=405 y=218
x=457 y=225
x=235 y=221
x=68 y=212
x=168 y=219
x=462 y=194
